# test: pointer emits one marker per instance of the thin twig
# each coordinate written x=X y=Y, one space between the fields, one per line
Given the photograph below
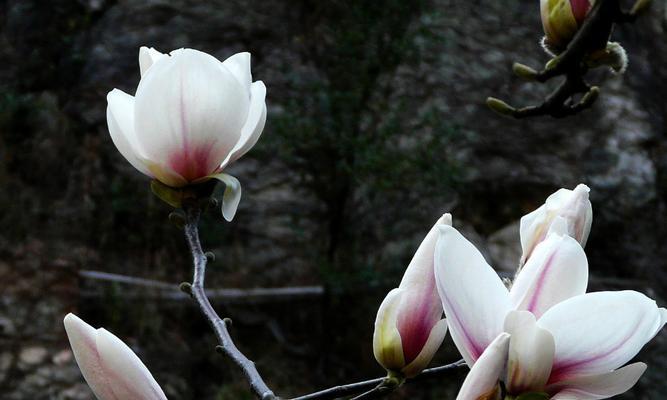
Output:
x=368 y=386
x=196 y=289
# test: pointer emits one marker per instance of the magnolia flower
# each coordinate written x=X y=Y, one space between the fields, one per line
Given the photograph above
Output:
x=109 y=367
x=561 y=19
x=571 y=205
x=191 y=117
x=575 y=351
x=409 y=327
x=475 y=299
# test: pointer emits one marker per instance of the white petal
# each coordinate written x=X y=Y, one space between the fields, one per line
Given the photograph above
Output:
x=387 y=346
x=128 y=375
x=482 y=380
x=148 y=57
x=120 y=119
x=253 y=127
x=232 y=196
x=189 y=113
x=599 y=332
x=473 y=296
x=432 y=345
x=83 y=340
x=531 y=354
x=601 y=386
x=557 y=270
x=420 y=270
x=239 y=66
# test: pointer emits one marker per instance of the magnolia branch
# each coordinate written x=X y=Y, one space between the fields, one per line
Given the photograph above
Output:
x=198 y=293
x=572 y=64
x=369 y=389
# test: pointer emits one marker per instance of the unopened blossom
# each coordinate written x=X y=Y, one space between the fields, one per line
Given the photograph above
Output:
x=111 y=369
x=191 y=117
x=573 y=206
x=576 y=351
x=409 y=327
x=561 y=19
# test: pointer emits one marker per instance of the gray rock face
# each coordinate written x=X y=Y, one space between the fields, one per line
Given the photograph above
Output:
x=377 y=125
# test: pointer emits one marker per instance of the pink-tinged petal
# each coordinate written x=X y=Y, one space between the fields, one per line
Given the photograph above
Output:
x=473 y=296
x=83 y=340
x=602 y=386
x=599 y=332
x=387 y=346
x=558 y=21
x=189 y=113
x=239 y=66
x=428 y=350
x=556 y=271
x=580 y=9
x=254 y=125
x=531 y=354
x=421 y=307
x=148 y=57
x=128 y=376
x=482 y=380
x=120 y=119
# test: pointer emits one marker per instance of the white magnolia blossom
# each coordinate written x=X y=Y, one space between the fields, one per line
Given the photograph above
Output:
x=191 y=117
x=571 y=205
x=111 y=369
x=545 y=334
x=409 y=327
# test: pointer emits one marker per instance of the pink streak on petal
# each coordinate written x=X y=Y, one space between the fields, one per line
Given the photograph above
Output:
x=563 y=369
x=191 y=162
x=418 y=317
x=580 y=9
x=475 y=349
x=540 y=285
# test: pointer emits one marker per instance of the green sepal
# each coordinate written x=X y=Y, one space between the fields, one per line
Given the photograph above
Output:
x=172 y=196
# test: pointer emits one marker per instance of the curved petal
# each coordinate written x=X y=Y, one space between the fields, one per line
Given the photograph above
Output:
x=482 y=380
x=254 y=125
x=148 y=57
x=387 y=346
x=120 y=119
x=556 y=271
x=473 y=296
x=232 y=196
x=531 y=354
x=599 y=332
x=429 y=349
x=130 y=377
x=189 y=113
x=83 y=340
x=239 y=66
x=601 y=386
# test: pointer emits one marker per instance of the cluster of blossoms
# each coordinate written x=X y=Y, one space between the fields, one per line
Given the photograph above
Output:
x=542 y=338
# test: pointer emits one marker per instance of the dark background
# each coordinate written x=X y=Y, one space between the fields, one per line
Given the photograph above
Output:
x=376 y=126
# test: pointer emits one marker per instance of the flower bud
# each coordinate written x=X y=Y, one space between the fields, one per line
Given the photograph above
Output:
x=191 y=117
x=110 y=368
x=572 y=206
x=561 y=19
x=409 y=327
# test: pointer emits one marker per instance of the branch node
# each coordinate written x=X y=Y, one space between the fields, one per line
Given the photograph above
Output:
x=210 y=256
x=186 y=287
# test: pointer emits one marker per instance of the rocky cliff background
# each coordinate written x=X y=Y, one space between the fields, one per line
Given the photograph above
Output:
x=377 y=126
